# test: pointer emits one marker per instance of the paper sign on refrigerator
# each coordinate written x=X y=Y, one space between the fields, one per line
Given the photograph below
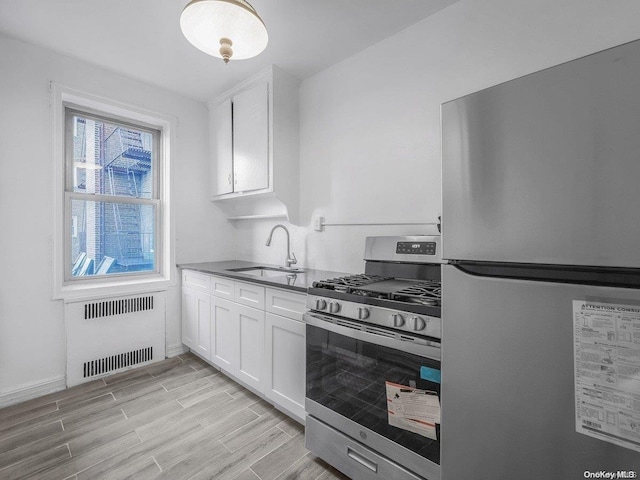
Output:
x=413 y=409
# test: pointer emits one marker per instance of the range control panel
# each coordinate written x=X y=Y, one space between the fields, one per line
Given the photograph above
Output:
x=416 y=248
x=404 y=249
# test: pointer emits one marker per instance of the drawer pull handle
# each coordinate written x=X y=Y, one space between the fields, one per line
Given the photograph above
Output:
x=362 y=460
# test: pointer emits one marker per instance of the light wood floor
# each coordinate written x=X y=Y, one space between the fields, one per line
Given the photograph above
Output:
x=177 y=419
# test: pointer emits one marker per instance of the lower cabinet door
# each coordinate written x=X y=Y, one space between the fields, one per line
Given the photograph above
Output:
x=188 y=317
x=224 y=334
x=285 y=363
x=251 y=355
x=202 y=309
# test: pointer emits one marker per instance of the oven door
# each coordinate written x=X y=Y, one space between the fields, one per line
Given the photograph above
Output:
x=349 y=366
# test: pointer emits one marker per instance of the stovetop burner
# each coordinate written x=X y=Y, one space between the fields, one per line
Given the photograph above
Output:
x=349 y=283
x=387 y=288
x=425 y=293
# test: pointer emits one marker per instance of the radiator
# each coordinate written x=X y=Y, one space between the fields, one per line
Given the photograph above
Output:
x=109 y=335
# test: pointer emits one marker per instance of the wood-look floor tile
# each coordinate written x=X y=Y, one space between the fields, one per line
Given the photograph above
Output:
x=160 y=367
x=142 y=450
x=140 y=404
x=241 y=437
x=94 y=419
x=78 y=463
x=91 y=439
x=279 y=460
x=219 y=464
x=136 y=390
x=126 y=376
x=29 y=436
x=175 y=372
x=261 y=407
x=196 y=362
x=291 y=427
x=246 y=475
x=202 y=441
x=139 y=470
x=331 y=473
x=236 y=390
x=173 y=383
x=35 y=463
x=135 y=383
x=49 y=398
x=9 y=422
x=166 y=424
x=202 y=408
x=64 y=437
x=228 y=466
x=211 y=416
x=87 y=405
x=195 y=397
x=308 y=467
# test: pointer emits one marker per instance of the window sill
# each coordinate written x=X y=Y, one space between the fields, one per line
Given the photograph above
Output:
x=84 y=291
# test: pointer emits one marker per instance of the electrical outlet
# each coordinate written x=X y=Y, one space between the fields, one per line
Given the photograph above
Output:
x=318 y=223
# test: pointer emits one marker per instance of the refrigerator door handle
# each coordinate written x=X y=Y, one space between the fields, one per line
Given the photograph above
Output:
x=568 y=274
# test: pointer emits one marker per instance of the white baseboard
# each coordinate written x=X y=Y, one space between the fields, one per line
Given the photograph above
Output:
x=176 y=349
x=30 y=390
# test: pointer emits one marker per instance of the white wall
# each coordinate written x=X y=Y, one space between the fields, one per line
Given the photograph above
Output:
x=32 y=337
x=370 y=125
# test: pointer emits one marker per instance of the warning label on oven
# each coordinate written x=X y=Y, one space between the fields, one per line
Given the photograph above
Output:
x=413 y=409
x=606 y=348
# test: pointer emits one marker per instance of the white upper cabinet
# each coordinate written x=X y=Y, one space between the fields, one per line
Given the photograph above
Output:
x=255 y=148
x=251 y=139
x=222 y=146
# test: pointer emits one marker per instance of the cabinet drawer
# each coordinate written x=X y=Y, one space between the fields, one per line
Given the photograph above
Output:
x=196 y=280
x=288 y=304
x=222 y=287
x=249 y=294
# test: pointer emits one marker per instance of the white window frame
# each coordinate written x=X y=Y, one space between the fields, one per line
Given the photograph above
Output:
x=65 y=287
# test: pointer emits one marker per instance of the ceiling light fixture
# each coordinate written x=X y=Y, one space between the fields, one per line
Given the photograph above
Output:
x=224 y=28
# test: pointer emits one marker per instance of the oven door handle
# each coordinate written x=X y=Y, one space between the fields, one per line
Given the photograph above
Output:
x=427 y=349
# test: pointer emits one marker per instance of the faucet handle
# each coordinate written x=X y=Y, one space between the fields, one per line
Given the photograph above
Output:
x=292 y=259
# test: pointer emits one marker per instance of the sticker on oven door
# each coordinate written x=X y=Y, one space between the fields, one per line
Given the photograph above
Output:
x=413 y=409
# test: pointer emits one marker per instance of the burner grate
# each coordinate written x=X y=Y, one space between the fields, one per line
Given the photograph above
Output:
x=349 y=283
x=424 y=293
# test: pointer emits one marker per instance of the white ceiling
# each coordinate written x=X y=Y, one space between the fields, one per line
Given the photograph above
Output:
x=142 y=38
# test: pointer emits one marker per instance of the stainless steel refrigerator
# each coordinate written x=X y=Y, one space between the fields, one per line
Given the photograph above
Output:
x=541 y=296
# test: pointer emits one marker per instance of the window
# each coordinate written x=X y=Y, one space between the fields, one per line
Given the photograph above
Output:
x=112 y=197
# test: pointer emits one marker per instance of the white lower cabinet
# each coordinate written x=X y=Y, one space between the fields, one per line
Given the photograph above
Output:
x=196 y=321
x=237 y=339
x=251 y=347
x=225 y=334
x=285 y=363
x=255 y=334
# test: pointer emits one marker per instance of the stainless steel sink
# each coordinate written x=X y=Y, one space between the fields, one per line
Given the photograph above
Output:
x=266 y=271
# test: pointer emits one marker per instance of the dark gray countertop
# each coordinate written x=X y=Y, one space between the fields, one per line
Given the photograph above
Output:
x=299 y=281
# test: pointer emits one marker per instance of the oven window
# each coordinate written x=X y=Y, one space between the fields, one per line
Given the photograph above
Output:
x=348 y=376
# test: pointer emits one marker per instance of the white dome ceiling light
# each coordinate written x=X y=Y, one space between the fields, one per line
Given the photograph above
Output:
x=224 y=28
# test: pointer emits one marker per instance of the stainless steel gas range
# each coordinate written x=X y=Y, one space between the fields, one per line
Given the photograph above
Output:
x=373 y=363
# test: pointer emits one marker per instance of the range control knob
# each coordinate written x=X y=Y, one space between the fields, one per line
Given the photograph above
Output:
x=397 y=319
x=334 y=307
x=363 y=313
x=321 y=304
x=418 y=323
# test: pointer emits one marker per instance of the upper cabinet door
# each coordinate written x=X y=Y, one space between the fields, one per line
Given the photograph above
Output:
x=251 y=139
x=222 y=148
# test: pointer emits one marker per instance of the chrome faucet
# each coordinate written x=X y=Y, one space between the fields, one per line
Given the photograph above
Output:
x=291 y=258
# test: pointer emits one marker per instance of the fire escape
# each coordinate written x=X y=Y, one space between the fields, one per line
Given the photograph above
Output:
x=127 y=165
